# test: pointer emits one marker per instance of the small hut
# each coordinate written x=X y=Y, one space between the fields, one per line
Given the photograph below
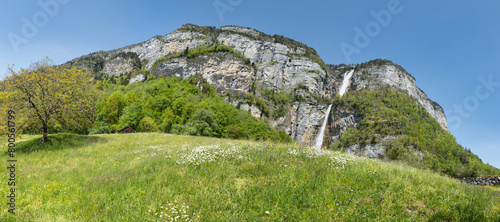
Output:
x=127 y=129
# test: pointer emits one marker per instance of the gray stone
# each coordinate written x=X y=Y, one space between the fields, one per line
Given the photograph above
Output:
x=395 y=77
x=138 y=78
x=280 y=68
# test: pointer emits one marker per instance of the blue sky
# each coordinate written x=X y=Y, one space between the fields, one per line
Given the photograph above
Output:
x=448 y=46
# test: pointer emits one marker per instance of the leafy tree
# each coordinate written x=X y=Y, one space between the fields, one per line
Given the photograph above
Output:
x=132 y=116
x=204 y=122
x=147 y=124
x=234 y=131
x=168 y=119
x=45 y=95
x=112 y=107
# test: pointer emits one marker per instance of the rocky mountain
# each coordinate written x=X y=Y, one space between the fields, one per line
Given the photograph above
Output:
x=273 y=77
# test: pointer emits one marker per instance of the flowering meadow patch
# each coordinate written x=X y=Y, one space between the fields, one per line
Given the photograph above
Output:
x=337 y=160
x=157 y=177
x=174 y=212
x=207 y=153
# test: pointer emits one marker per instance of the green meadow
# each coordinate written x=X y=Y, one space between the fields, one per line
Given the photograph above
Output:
x=164 y=177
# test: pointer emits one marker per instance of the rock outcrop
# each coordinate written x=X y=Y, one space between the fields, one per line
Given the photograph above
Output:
x=223 y=72
x=396 y=77
x=118 y=66
x=264 y=62
x=342 y=119
x=160 y=46
x=482 y=181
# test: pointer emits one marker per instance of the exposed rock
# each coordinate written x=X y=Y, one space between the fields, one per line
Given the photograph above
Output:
x=138 y=78
x=482 y=181
x=276 y=69
x=367 y=150
x=118 y=66
x=305 y=121
x=247 y=31
x=393 y=76
x=254 y=111
x=223 y=72
x=279 y=68
x=341 y=120
x=377 y=150
x=175 y=42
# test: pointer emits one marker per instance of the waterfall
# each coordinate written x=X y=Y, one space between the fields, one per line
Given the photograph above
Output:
x=346 y=82
x=321 y=134
x=343 y=89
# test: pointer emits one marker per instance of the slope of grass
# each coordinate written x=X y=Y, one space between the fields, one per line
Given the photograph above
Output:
x=157 y=177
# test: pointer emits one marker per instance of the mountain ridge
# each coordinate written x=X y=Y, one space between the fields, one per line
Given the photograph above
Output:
x=274 y=78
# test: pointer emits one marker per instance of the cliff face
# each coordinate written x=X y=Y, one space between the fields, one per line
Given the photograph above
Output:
x=272 y=63
x=394 y=76
x=223 y=72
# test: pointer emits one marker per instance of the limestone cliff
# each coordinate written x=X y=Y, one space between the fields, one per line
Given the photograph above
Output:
x=260 y=62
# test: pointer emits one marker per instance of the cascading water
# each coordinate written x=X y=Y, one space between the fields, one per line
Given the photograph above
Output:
x=346 y=82
x=321 y=134
x=343 y=89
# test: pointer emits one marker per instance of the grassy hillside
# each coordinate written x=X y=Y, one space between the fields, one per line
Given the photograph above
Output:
x=153 y=177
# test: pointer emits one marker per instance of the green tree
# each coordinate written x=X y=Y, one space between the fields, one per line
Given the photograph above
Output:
x=147 y=125
x=112 y=107
x=234 y=131
x=45 y=95
x=168 y=119
x=204 y=123
x=132 y=116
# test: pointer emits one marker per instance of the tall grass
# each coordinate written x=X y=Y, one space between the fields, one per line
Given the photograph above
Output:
x=158 y=177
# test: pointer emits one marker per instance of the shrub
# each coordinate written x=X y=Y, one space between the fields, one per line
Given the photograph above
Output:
x=233 y=131
x=100 y=128
x=132 y=116
x=147 y=125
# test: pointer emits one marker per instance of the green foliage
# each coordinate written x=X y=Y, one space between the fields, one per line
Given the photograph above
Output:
x=100 y=127
x=147 y=124
x=93 y=62
x=233 y=131
x=179 y=106
x=389 y=113
x=103 y=177
x=132 y=116
x=46 y=97
x=209 y=31
x=203 y=123
x=111 y=108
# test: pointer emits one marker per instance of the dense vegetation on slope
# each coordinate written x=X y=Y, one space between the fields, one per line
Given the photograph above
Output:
x=156 y=177
x=387 y=112
x=190 y=106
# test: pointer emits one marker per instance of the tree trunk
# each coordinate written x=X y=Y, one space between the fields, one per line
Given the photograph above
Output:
x=44 y=137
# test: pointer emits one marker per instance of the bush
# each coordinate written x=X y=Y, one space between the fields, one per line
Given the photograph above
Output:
x=233 y=131
x=132 y=116
x=147 y=125
x=100 y=128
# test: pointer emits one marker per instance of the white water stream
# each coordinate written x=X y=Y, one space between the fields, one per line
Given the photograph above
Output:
x=346 y=82
x=321 y=134
x=343 y=89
